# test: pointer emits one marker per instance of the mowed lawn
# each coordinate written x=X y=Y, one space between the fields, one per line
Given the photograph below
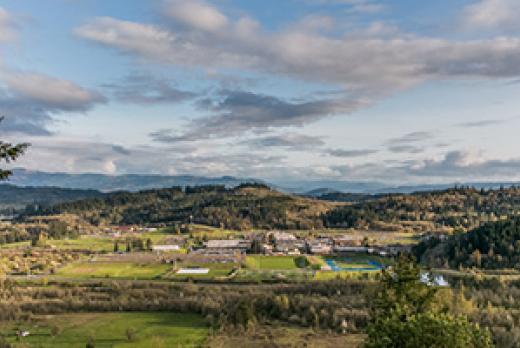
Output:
x=154 y=330
x=126 y=270
x=270 y=262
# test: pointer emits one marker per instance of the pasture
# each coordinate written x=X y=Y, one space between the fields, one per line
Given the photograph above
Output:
x=121 y=270
x=149 y=329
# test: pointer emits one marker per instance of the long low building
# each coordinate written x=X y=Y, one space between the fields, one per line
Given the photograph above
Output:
x=242 y=245
x=169 y=247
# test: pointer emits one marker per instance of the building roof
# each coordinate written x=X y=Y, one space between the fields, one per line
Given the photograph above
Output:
x=227 y=243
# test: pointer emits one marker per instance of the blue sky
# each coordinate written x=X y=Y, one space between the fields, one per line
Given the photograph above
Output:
x=397 y=91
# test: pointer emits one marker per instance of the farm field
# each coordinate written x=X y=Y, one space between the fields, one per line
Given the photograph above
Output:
x=150 y=329
x=124 y=270
x=286 y=336
x=97 y=244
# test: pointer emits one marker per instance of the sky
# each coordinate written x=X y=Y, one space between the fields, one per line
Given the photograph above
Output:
x=394 y=91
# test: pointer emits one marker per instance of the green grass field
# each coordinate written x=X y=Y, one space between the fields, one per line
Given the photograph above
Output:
x=124 y=270
x=84 y=243
x=283 y=335
x=155 y=330
x=270 y=262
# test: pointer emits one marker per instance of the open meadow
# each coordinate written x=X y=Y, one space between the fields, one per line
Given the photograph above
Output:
x=121 y=270
x=140 y=329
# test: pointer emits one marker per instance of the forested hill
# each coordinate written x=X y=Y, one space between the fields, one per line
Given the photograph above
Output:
x=14 y=197
x=491 y=246
x=457 y=209
x=243 y=207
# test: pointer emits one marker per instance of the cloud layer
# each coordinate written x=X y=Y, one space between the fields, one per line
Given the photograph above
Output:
x=366 y=68
x=30 y=100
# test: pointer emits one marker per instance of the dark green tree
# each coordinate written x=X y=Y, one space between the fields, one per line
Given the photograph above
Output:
x=8 y=153
x=404 y=314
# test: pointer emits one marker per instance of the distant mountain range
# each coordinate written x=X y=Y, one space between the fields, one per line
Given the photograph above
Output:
x=109 y=183
x=137 y=182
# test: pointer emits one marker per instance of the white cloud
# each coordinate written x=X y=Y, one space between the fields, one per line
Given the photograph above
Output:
x=7 y=32
x=52 y=92
x=30 y=100
x=355 y=6
x=146 y=40
x=376 y=65
x=368 y=67
x=493 y=14
x=196 y=14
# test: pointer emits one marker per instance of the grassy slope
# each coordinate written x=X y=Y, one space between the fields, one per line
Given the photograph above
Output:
x=286 y=336
x=109 y=330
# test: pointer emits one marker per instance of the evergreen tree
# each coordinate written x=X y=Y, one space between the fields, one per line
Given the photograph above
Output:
x=404 y=315
x=8 y=153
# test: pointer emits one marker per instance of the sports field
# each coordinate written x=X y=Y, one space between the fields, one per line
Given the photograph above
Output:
x=270 y=262
x=157 y=330
x=357 y=264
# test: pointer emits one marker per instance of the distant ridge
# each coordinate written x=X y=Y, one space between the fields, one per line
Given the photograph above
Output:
x=137 y=182
x=109 y=183
x=15 y=197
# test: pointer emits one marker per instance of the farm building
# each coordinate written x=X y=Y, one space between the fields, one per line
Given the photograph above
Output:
x=225 y=246
x=167 y=247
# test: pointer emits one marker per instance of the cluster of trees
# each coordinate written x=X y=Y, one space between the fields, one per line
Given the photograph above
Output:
x=14 y=198
x=405 y=313
x=493 y=245
x=13 y=234
x=133 y=244
x=397 y=311
x=243 y=207
x=335 y=305
x=457 y=209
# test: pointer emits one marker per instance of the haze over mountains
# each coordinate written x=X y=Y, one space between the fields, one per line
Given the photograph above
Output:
x=107 y=183
x=136 y=182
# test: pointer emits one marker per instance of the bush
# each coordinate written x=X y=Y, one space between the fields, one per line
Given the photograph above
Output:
x=301 y=262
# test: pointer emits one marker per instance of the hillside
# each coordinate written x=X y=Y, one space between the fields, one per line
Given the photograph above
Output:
x=491 y=246
x=457 y=209
x=243 y=207
x=14 y=197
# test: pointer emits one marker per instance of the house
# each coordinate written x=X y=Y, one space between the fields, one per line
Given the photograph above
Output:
x=397 y=249
x=320 y=246
x=288 y=243
x=348 y=243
